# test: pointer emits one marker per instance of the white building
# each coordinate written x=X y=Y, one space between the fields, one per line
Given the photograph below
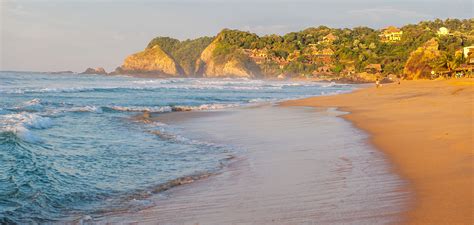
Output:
x=467 y=50
x=443 y=31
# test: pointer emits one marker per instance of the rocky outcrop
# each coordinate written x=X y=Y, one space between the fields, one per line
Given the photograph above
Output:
x=99 y=70
x=418 y=65
x=234 y=64
x=64 y=72
x=150 y=61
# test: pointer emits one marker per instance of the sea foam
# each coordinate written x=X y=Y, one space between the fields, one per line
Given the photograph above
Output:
x=178 y=108
x=20 y=124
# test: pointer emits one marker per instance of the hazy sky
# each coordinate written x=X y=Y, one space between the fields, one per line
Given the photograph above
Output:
x=40 y=35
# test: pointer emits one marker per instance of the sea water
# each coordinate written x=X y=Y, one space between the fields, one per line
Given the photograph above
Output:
x=70 y=146
x=300 y=165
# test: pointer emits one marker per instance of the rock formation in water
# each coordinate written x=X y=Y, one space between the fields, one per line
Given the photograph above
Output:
x=63 y=72
x=99 y=70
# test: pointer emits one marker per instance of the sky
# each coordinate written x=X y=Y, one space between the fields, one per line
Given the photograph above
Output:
x=58 y=35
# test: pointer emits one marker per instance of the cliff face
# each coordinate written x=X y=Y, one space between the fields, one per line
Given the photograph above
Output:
x=233 y=63
x=418 y=65
x=199 y=57
x=185 y=53
x=152 y=61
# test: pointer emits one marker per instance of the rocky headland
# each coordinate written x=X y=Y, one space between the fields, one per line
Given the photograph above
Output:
x=361 y=54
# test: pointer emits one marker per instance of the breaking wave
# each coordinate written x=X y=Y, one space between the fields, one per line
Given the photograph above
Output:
x=20 y=124
x=163 y=109
x=165 y=84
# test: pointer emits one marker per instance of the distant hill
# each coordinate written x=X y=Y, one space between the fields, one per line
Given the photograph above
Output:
x=313 y=52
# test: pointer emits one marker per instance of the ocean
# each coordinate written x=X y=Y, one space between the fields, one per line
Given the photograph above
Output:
x=71 y=145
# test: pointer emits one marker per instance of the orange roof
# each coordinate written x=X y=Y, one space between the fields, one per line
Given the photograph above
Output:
x=377 y=67
x=327 y=51
x=391 y=29
x=330 y=37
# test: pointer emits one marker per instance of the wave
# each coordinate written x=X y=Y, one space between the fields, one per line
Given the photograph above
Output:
x=33 y=105
x=160 y=81
x=157 y=109
x=86 y=108
x=29 y=120
x=68 y=90
x=27 y=117
x=163 y=109
x=19 y=132
x=20 y=124
x=332 y=84
x=260 y=100
x=178 y=83
x=118 y=89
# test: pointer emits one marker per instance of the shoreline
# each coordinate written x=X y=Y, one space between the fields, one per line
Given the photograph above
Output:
x=425 y=129
x=338 y=79
x=284 y=176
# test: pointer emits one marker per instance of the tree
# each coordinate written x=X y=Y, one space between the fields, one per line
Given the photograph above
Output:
x=447 y=62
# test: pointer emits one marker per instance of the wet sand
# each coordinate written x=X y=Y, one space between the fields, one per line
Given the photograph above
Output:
x=426 y=129
x=292 y=165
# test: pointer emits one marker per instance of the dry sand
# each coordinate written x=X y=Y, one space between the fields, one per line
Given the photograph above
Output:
x=426 y=129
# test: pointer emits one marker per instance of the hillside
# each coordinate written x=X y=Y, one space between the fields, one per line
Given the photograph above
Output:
x=223 y=59
x=185 y=53
x=313 y=52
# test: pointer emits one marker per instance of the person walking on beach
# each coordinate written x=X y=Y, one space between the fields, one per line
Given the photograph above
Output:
x=377 y=83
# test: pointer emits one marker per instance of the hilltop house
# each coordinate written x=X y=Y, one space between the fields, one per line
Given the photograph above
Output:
x=322 y=53
x=442 y=31
x=373 y=68
x=262 y=53
x=469 y=50
x=294 y=55
x=257 y=55
x=349 y=70
x=323 y=56
x=322 y=69
x=391 y=34
x=330 y=38
x=327 y=52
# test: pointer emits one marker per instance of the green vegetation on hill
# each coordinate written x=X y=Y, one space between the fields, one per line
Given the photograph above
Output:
x=229 y=45
x=185 y=53
x=332 y=51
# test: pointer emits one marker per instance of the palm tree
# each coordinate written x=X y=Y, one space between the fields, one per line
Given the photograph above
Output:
x=447 y=62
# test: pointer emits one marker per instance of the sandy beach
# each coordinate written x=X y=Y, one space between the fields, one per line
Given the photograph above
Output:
x=426 y=129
